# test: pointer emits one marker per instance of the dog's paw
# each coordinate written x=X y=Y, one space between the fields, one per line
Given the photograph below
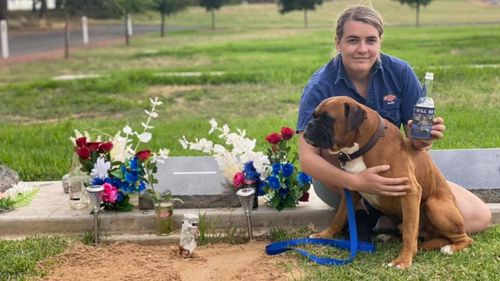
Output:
x=447 y=250
x=323 y=234
x=384 y=237
x=400 y=264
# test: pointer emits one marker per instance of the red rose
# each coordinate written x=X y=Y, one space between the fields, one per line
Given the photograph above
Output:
x=273 y=138
x=83 y=152
x=304 y=197
x=106 y=147
x=93 y=146
x=238 y=179
x=287 y=133
x=81 y=142
x=143 y=154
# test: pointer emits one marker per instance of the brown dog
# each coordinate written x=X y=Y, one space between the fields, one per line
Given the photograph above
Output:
x=352 y=130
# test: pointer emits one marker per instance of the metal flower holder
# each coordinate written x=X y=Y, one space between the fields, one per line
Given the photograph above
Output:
x=246 y=196
x=95 y=194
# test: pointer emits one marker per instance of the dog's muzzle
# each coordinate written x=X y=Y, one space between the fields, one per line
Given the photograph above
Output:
x=319 y=130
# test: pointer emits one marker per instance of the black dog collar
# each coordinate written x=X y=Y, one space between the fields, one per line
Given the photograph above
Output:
x=346 y=157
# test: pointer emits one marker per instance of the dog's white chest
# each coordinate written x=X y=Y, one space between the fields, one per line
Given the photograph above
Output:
x=356 y=166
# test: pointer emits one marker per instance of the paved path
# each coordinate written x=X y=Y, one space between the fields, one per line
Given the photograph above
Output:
x=46 y=41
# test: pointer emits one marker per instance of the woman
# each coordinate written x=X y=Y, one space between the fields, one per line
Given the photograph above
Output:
x=385 y=84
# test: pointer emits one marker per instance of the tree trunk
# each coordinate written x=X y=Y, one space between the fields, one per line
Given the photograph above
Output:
x=418 y=13
x=305 y=18
x=3 y=9
x=127 y=40
x=213 y=19
x=162 y=24
x=66 y=34
x=43 y=9
x=33 y=6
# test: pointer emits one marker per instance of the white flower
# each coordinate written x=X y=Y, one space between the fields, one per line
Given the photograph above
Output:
x=16 y=189
x=121 y=148
x=151 y=114
x=144 y=137
x=163 y=153
x=213 y=125
x=127 y=130
x=101 y=168
x=184 y=142
x=155 y=101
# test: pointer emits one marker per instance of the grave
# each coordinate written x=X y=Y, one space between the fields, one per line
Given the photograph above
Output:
x=478 y=170
x=198 y=181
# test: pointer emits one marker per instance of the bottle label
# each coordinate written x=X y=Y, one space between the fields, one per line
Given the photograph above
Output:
x=422 y=122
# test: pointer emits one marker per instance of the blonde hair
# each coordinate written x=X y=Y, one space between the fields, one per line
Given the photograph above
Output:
x=363 y=14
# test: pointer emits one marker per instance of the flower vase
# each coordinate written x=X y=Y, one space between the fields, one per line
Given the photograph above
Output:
x=164 y=217
x=133 y=199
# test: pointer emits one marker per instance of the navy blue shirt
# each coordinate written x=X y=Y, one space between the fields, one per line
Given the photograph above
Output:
x=393 y=89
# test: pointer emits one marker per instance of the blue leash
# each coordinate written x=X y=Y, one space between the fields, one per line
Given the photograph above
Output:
x=353 y=245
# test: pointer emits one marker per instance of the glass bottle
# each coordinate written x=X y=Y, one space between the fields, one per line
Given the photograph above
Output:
x=77 y=179
x=424 y=111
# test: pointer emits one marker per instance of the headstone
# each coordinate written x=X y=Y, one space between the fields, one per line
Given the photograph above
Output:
x=478 y=170
x=198 y=181
x=8 y=177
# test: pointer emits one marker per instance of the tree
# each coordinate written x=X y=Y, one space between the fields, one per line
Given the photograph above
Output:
x=167 y=8
x=3 y=9
x=128 y=7
x=415 y=4
x=43 y=9
x=212 y=5
x=304 y=5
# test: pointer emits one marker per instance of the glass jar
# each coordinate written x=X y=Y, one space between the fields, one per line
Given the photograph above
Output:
x=164 y=217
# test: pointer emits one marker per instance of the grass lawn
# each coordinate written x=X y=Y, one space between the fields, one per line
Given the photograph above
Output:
x=264 y=60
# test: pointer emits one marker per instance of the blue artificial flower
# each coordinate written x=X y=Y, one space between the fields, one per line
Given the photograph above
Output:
x=142 y=186
x=248 y=167
x=119 y=197
x=134 y=164
x=284 y=192
x=98 y=181
x=288 y=169
x=274 y=182
x=131 y=177
x=252 y=176
x=261 y=185
x=303 y=179
x=276 y=168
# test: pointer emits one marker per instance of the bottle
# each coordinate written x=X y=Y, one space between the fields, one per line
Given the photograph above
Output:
x=78 y=197
x=189 y=232
x=253 y=184
x=424 y=111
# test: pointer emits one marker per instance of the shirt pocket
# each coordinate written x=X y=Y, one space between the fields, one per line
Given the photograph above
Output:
x=391 y=111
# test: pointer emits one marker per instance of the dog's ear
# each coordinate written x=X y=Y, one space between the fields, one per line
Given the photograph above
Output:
x=354 y=116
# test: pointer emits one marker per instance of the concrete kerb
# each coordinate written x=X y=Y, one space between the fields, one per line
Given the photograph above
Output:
x=50 y=214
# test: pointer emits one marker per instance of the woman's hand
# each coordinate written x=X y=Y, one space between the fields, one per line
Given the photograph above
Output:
x=370 y=181
x=437 y=132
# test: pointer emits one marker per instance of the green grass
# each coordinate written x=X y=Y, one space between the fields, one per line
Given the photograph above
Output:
x=480 y=262
x=20 y=258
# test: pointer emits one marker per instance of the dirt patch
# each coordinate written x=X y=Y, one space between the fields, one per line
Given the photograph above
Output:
x=128 y=261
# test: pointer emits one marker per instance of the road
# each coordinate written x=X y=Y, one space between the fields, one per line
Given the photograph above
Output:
x=45 y=41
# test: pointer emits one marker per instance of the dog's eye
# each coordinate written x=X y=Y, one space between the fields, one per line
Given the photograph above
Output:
x=315 y=115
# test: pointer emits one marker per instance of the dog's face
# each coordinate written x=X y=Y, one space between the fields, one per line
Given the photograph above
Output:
x=335 y=123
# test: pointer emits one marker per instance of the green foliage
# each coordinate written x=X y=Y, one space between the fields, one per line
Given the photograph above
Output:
x=415 y=3
x=169 y=7
x=297 y=5
x=211 y=5
x=132 y=6
x=6 y=204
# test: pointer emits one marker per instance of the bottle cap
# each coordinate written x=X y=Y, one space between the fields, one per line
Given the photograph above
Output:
x=191 y=218
x=429 y=76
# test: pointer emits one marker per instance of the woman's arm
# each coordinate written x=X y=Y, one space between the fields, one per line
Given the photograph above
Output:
x=368 y=181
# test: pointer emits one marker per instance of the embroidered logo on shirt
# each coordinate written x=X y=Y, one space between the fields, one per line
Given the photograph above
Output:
x=390 y=99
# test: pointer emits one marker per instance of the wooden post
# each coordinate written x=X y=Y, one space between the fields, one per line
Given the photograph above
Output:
x=85 y=30
x=4 y=38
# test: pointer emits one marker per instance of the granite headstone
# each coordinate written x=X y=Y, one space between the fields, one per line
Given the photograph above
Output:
x=8 y=177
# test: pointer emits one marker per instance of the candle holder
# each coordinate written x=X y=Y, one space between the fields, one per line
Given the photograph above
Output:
x=246 y=196
x=95 y=194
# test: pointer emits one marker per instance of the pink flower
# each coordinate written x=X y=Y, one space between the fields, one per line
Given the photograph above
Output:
x=110 y=193
x=273 y=138
x=238 y=179
x=287 y=133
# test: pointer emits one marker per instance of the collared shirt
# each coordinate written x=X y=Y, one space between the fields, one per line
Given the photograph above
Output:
x=393 y=89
